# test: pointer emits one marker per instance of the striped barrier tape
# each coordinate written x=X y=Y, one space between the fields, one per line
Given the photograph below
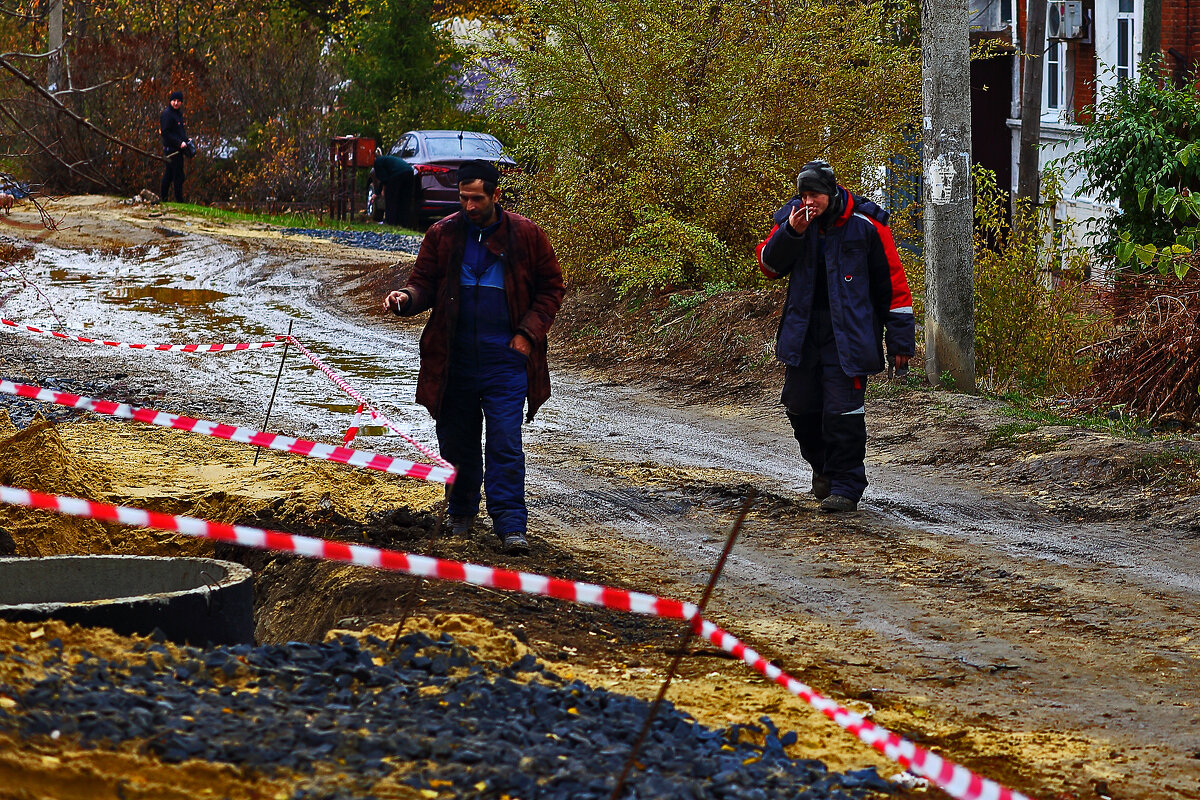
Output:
x=375 y=414
x=956 y=780
x=181 y=348
x=274 y=441
x=352 y=431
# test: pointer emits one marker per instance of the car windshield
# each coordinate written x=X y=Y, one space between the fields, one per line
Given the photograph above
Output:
x=468 y=147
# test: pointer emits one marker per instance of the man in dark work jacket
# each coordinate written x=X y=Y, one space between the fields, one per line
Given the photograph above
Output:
x=175 y=144
x=493 y=285
x=846 y=288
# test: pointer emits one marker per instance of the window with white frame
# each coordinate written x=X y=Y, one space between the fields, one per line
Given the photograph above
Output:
x=1055 y=79
x=1126 y=62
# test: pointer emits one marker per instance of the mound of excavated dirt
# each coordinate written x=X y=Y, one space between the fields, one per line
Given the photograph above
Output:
x=176 y=472
x=302 y=600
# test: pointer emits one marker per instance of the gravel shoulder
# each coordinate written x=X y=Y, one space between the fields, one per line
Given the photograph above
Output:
x=1020 y=596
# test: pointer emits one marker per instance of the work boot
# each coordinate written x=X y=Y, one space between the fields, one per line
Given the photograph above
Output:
x=515 y=542
x=836 y=504
x=460 y=525
x=822 y=487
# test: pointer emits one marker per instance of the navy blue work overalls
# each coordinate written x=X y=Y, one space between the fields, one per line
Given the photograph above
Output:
x=487 y=383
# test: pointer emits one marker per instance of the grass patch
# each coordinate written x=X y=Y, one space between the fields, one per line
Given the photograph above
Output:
x=1021 y=407
x=879 y=387
x=1171 y=467
x=1005 y=435
x=285 y=220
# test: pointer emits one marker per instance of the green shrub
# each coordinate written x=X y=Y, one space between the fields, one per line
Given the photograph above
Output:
x=1132 y=141
x=1031 y=302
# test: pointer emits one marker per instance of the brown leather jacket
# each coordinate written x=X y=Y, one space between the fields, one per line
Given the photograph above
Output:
x=533 y=285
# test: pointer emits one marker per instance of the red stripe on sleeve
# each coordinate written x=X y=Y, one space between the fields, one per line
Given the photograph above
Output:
x=901 y=295
x=770 y=273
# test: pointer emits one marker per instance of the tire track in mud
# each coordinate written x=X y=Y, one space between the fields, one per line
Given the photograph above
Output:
x=975 y=601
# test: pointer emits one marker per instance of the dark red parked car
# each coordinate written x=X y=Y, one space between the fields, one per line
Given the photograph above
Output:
x=434 y=156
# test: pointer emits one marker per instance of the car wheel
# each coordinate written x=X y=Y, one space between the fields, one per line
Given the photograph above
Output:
x=375 y=203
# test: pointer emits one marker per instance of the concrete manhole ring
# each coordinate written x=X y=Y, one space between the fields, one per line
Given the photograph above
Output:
x=191 y=600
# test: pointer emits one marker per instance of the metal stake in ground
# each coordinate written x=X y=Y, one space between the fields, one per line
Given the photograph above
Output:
x=278 y=375
x=683 y=646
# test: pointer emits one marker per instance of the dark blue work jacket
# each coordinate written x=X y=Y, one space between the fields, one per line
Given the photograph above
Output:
x=867 y=289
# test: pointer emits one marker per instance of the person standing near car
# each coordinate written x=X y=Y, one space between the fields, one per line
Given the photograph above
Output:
x=395 y=175
x=846 y=288
x=493 y=286
x=175 y=145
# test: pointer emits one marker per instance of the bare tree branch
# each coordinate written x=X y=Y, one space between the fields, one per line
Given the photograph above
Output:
x=50 y=151
x=31 y=83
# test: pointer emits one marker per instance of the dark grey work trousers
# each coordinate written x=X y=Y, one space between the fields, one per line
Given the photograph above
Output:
x=827 y=411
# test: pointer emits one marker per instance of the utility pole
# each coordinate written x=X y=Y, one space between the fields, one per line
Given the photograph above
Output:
x=949 y=195
x=1032 y=67
x=55 y=40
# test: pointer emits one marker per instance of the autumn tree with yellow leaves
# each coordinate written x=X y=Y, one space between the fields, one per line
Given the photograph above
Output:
x=658 y=136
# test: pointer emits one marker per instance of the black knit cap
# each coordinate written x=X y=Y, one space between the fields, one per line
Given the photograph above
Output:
x=176 y=95
x=816 y=176
x=478 y=170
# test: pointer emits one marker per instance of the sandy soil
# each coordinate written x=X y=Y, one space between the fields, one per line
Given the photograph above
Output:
x=1020 y=597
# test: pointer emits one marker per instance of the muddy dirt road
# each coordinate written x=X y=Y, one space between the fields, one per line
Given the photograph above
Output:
x=1021 y=598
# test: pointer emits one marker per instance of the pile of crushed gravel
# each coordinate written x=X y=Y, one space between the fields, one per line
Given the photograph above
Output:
x=368 y=240
x=426 y=711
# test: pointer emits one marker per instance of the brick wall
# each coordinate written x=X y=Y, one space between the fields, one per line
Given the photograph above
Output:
x=1179 y=28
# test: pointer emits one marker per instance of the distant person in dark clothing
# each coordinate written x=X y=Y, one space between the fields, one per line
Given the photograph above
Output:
x=176 y=145
x=396 y=176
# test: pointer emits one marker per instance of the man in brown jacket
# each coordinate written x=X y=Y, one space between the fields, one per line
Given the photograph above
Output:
x=493 y=285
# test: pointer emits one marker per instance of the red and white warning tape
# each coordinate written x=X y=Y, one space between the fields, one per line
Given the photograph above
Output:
x=957 y=781
x=274 y=441
x=363 y=404
x=352 y=431
x=180 y=348
x=954 y=779
x=374 y=414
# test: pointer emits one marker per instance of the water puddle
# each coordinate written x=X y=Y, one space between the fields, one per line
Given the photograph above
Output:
x=167 y=295
x=201 y=291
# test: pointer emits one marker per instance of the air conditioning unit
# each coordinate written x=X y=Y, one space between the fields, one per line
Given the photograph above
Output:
x=1064 y=20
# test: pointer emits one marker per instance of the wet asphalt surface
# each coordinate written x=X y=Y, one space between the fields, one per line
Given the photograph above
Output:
x=478 y=730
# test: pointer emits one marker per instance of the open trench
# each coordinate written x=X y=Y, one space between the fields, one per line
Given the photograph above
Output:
x=1062 y=655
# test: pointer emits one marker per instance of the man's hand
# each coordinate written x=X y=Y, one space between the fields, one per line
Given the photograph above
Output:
x=395 y=302
x=899 y=367
x=521 y=344
x=798 y=219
